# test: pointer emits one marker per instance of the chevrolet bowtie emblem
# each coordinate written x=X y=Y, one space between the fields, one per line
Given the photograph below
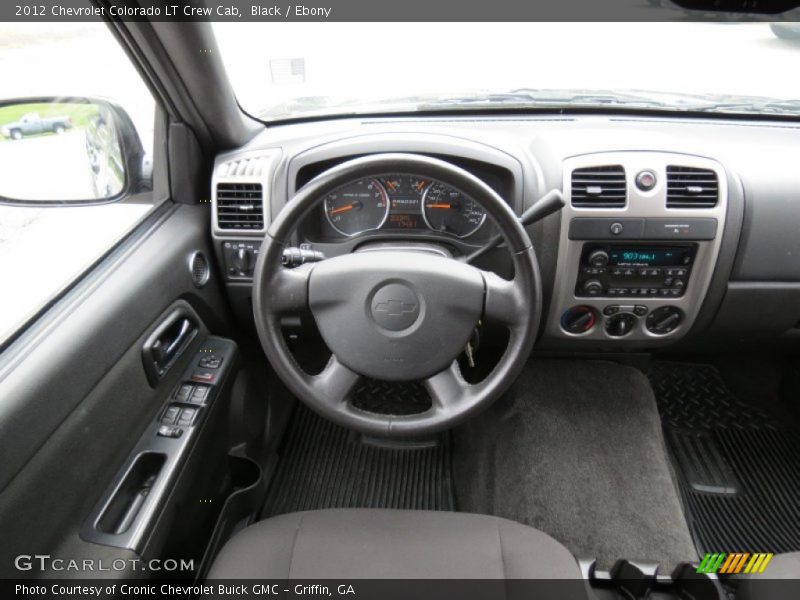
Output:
x=395 y=308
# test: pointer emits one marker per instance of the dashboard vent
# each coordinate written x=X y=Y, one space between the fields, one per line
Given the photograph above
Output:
x=245 y=167
x=690 y=187
x=599 y=187
x=240 y=206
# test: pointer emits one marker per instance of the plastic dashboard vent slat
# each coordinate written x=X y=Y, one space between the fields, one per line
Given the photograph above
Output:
x=690 y=187
x=240 y=206
x=599 y=187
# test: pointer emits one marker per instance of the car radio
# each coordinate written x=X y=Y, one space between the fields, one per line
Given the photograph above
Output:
x=634 y=270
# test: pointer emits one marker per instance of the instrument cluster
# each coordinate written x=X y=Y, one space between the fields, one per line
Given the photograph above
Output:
x=402 y=202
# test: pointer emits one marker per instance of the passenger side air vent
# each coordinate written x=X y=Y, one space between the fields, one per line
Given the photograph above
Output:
x=690 y=187
x=599 y=187
x=240 y=206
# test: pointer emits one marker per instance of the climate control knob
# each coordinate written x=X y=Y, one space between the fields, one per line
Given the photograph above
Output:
x=598 y=258
x=578 y=319
x=664 y=320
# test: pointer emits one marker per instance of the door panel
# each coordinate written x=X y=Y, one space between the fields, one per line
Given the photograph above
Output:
x=74 y=395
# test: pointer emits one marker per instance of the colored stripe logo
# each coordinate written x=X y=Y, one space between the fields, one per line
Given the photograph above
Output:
x=735 y=562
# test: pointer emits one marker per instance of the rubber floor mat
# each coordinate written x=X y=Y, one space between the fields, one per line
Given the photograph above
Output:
x=323 y=465
x=738 y=466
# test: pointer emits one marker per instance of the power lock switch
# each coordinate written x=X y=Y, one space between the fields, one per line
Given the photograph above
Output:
x=170 y=431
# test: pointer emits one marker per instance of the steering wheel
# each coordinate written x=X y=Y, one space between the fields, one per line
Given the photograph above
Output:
x=396 y=315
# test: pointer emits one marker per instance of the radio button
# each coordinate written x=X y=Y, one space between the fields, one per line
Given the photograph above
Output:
x=616 y=272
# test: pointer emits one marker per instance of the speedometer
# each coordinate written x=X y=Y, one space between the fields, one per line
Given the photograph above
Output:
x=359 y=206
x=447 y=210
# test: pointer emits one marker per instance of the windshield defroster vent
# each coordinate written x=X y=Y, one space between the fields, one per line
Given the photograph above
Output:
x=690 y=187
x=240 y=206
x=599 y=187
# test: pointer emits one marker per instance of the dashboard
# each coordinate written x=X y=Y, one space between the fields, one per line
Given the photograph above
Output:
x=674 y=230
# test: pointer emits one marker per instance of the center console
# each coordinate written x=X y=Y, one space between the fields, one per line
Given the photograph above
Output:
x=639 y=240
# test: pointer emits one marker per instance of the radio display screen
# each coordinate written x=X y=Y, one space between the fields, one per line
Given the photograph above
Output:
x=649 y=257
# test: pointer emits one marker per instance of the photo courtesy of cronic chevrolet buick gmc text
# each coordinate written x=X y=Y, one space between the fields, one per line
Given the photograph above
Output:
x=401 y=310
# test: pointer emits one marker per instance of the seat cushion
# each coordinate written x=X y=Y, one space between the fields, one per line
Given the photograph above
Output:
x=401 y=544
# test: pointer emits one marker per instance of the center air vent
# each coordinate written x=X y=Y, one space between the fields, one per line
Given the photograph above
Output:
x=599 y=187
x=240 y=206
x=690 y=187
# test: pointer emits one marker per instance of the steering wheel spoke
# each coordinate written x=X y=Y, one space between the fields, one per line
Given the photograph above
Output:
x=289 y=289
x=334 y=384
x=503 y=303
x=446 y=387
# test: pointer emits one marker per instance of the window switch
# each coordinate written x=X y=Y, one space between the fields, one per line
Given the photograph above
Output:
x=184 y=392
x=187 y=416
x=169 y=416
x=200 y=394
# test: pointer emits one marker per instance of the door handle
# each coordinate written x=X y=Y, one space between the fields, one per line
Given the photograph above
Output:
x=163 y=347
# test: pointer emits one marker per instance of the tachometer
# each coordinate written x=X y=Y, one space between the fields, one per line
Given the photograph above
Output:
x=447 y=210
x=359 y=206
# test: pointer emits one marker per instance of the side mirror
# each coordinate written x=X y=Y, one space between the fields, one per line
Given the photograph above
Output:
x=57 y=151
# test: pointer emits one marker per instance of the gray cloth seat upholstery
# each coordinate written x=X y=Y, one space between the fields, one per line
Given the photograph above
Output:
x=401 y=544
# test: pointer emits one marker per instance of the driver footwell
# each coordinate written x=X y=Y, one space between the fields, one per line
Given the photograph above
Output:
x=575 y=448
x=323 y=465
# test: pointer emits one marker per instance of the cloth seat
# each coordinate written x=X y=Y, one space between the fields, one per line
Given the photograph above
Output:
x=394 y=544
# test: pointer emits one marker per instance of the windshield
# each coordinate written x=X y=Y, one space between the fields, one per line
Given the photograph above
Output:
x=288 y=70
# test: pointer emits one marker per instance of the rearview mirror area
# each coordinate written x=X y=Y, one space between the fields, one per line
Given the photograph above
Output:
x=56 y=151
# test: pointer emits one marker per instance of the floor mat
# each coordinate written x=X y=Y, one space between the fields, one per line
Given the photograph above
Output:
x=738 y=465
x=323 y=465
x=576 y=449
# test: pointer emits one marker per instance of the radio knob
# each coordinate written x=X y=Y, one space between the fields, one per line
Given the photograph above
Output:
x=593 y=287
x=598 y=258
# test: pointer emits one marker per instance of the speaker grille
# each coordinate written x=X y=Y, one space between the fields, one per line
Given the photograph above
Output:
x=200 y=269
